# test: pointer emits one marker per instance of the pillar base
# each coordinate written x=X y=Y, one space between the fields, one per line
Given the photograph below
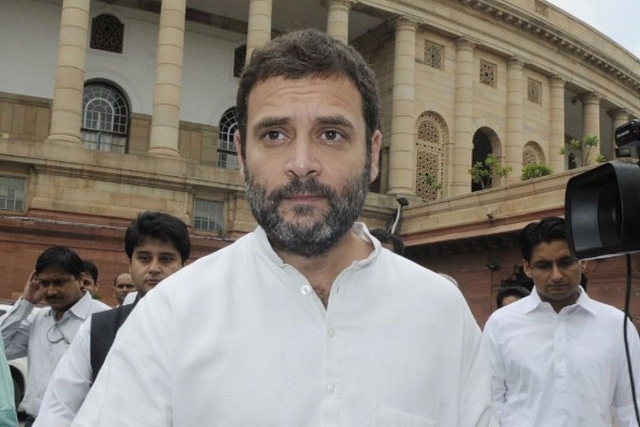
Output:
x=163 y=152
x=65 y=141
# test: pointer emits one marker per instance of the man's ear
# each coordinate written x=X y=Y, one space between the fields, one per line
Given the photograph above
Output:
x=376 y=143
x=527 y=268
x=238 y=142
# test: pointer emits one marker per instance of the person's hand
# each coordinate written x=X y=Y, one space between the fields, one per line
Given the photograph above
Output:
x=33 y=292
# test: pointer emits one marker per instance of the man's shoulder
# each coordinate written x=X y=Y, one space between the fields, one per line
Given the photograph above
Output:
x=106 y=315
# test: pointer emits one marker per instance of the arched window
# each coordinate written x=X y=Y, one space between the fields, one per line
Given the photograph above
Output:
x=105 y=117
x=227 y=157
x=532 y=153
x=430 y=143
x=107 y=33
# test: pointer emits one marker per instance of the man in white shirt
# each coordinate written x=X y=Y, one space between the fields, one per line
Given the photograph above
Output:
x=306 y=321
x=157 y=245
x=122 y=286
x=557 y=356
x=45 y=336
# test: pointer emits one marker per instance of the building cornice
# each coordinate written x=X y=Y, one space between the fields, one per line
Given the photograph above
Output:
x=557 y=37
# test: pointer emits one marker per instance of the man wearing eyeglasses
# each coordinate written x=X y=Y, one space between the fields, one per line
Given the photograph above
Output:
x=45 y=336
x=557 y=356
x=122 y=285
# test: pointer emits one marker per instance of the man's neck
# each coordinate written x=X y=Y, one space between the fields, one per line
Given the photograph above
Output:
x=321 y=271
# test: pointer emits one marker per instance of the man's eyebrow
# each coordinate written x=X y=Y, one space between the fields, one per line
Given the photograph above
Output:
x=334 y=121
x=268 y=122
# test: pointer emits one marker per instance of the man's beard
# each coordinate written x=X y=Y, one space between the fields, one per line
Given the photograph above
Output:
x=305 y=235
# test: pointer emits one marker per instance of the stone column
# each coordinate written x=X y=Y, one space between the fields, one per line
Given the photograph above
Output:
x=514 y=144
x=66 y=112
x=165 y=123
x=619 y=117
x=590 y=124
x=338 y=19
x=463 y=132
x=402 y=146
x=555 y=160
x=259 y=25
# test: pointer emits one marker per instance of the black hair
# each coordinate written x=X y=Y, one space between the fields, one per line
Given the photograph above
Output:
x=90 y=267
x=159 y=226
x=60 y=258
x=386 y=237
x=546 y=230
x=511 y=291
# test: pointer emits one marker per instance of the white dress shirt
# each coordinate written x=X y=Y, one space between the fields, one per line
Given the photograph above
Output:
x=69 y=383
x=43 y=340
x=564 y=369
x=239 y=338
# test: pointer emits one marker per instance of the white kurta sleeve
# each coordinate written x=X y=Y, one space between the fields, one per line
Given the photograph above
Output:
x=498 y=373
x=15 y=326
x=133 y=388
x=623 y=397
x=69 y=383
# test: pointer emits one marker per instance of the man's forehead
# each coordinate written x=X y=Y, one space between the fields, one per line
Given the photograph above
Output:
x=551 y=250
x=53 y=273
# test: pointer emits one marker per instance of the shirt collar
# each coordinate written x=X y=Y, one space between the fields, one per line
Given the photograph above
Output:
x=533 y=301
x=358 y=228
x=82 y=307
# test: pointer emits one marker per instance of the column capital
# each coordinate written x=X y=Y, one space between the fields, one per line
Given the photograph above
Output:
x=466 y=43
x=406 y=22
x=516 y=61
x=557 y=80
x=345 y=3
x=618 y=112
x=590 y=98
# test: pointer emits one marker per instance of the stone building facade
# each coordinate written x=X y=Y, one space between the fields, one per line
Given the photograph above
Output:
x=118 y=106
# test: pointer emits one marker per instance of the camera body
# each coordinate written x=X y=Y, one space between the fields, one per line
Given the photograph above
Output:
x=602 y=206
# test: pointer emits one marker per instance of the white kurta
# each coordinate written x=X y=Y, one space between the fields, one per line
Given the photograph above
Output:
x=239 y=338
x=561 y=369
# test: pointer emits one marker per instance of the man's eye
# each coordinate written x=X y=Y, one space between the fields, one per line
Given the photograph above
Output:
x=543 y=266
x=274 y=135
x=166 y=259
x=332 y=135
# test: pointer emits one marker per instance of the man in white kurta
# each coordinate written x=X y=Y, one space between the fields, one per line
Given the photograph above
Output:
x=306 y=321
x=251 y=344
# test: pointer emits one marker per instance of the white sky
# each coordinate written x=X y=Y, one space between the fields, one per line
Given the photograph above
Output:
x=617 y=19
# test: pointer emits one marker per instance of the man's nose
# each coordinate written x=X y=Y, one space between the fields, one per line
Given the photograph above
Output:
x=303 y=160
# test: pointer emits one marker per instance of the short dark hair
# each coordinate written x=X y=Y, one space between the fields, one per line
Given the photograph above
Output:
x=386 y=237
x=309 y=53
x=511 y=291
x=546 y=230
x=159 y=226
x=89 y=266
x=60 y=258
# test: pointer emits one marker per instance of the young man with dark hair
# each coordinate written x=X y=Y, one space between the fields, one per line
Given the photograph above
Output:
x=306 y=321
x=45 y=336
x=90 y=277
x=557 y=356
x=157 y=245
x=510 y=294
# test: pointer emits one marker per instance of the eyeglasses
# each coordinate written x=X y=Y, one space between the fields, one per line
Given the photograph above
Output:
x=129 y=286
x=53 y=339
x=564 y=264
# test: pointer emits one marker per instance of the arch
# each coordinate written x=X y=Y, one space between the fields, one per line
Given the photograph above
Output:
x=105 y=117
x=227 y=156
x=431 y=139
x=485 y=142
x=532 y=153
x=107 y=33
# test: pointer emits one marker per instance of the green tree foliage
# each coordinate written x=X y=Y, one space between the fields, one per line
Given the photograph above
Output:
x=581 y=150
x=535 y=170
x=484 y=172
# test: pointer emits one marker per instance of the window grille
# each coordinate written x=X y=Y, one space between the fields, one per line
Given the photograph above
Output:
x=227 y=157
x=107 y=33
x=12 y=193
x=105 y=117
x=208 y=215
